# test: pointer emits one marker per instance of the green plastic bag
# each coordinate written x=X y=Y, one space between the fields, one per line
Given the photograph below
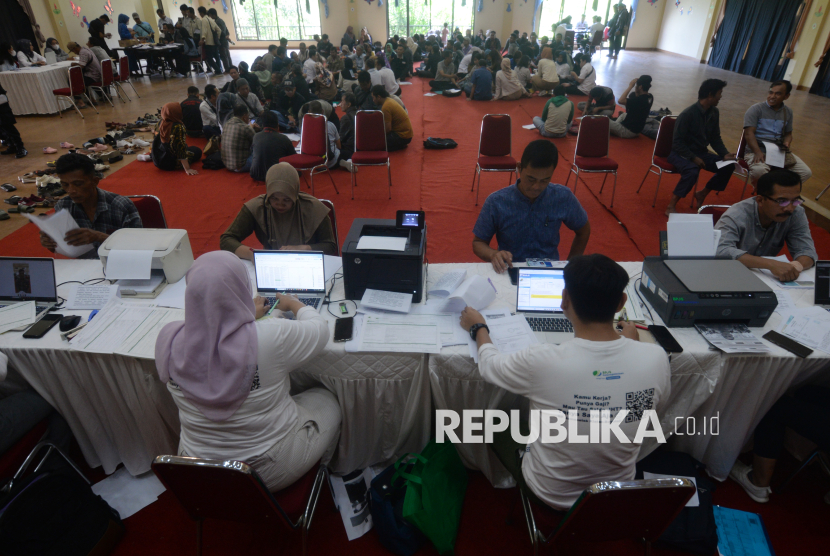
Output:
x=435 y=493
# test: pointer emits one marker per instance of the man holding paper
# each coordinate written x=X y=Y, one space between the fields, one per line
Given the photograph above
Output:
x=759 y=227
x=771 y=123
x=98 y=213
x=526 y=217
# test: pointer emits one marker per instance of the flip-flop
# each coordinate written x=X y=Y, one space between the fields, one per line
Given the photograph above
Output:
x=4 y=215
x=49 y=150
x=66 y=145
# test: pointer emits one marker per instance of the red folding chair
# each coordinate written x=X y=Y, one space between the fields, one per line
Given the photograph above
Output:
x=124 y=77
x=591 y=154
x=370 y=144
x=659 y=159
x=715 y=210
x=76 y=87
x=741 y=167
x=314 y=148
x=106 y=80
x=495 y=148
x=233 y=491
x=333 y=220
x=150 y=211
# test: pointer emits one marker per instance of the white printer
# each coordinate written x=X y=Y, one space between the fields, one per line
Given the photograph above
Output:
x=172 y=257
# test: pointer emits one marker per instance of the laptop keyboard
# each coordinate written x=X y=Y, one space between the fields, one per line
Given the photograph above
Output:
x=38 y=308
x=547 y=324
x=310 y=301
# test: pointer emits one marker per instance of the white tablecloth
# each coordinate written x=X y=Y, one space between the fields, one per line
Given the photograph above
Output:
x=704 y=383
x=119 y=411
x=30 y=89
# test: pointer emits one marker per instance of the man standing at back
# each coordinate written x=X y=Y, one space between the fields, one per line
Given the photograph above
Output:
x=559 y=377
x=697 y=128
x=772 y=121
x=210 y=37
x=525 y=217
x=224 y=37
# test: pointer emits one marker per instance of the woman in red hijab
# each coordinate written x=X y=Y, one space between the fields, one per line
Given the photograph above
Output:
x=170 y=150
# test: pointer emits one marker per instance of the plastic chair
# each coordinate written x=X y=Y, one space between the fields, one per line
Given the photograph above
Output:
x=76 y=87
x=596 y=43
x=314 y=148
x=659 y=158
x=233 y=491
x=150 y=211
x=333 y=220
x=11 y=459
x=106 y=80
x=741 y=167
x=715 y=210
x=495 y=148
x=124 y=77
x=591 y=154
x=370 y=144
x=657 y=503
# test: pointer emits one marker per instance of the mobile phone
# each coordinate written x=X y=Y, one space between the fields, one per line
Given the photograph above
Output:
x=343 y=329
x=665 y=339
x=787 y=343
x=514 y=275
x=41 y=327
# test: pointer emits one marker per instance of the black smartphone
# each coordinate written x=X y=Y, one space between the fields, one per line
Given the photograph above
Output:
x=514 y=275
x=787 y=343
x=343 y=329
x=665 y=339
x=41 y=327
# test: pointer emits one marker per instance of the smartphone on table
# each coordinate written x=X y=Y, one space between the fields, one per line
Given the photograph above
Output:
x=44 y=325
x=343 y=329
x=665 y=339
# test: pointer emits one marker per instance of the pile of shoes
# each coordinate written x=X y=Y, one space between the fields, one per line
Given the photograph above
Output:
x=49 y=186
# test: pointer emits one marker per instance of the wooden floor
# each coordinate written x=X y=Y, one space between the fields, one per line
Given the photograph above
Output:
x=675 y=85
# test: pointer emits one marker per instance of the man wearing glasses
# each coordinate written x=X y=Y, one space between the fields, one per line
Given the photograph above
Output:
x=759 y=227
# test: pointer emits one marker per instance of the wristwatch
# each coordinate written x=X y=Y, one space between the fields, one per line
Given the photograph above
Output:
x=475 y=328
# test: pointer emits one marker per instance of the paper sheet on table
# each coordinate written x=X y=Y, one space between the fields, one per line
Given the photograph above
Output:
x=785 y=302
x=447 y=283
x=331 y=265
x=56 y=226
x=449 y=325
x=774 y=155
x=142 y=342
x=127 y=494
x=775 y=283
x=90 y=297
x=494 y=317
x=693 y=502
x=691 y=235
x=809 y=326
x=721 y=164
x=511 y=334
x=351 y=497
x=129 y=265
x=17 y=315
x=172 y=295
x=732 y=338
x=476 y=292
x=382 y=243
x=405 y=333
x=386 y=301
x=529 y=126
x=741 y=533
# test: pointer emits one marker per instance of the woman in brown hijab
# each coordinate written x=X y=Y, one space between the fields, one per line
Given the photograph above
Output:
x=283 y=218
x=169 y=150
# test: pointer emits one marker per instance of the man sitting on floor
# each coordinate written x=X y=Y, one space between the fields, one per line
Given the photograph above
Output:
x=251 y=101
x=363 y=91
x=97 y=212
x=557 y=115
x=525 y=217
x=230 y=86
x=696 y=128
x=759 y=227
x=772 y=121
x=237 y=138
x=480 y=81
x=269 y=147
x=209 y=112
x=601 y=102
x=445 y=76
x=558 y=377
x=191 y=112
x=398 y=127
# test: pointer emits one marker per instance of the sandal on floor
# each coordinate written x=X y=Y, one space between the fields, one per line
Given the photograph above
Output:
x=4 y=215
x=13 y=200
x=66 y=145
x=49 y=150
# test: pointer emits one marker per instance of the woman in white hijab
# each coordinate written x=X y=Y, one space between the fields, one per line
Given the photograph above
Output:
x=507 y=84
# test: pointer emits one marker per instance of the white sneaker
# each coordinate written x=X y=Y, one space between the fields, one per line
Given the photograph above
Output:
x=740 y=474
x=121 y=144
x=138 y=142
x=347 y=164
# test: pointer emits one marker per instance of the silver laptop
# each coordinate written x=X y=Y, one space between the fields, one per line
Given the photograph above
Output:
x=539 y=299
x=28 y=279
x=298 y=273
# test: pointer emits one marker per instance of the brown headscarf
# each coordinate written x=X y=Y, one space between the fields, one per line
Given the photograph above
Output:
x=295 y=227
x=171 y=113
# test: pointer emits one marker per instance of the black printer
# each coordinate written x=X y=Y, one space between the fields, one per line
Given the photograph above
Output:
x=387 y=270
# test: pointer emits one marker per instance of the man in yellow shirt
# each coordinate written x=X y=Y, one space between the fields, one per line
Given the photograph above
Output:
x=398 y=127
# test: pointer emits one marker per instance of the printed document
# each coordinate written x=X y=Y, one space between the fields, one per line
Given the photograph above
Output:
x=476 y=292
x=448 y=282
x=411 y=333
x=17 y=315
x=809 y=326
x=732 y=338
x=774 y=156
x=382 y=243
x=386 y=301
x=90 y=297
x=56 y=226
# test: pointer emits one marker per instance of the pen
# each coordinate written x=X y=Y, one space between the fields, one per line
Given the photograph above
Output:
x=493 y=286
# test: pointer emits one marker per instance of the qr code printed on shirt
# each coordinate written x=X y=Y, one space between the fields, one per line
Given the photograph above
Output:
x=637 y=402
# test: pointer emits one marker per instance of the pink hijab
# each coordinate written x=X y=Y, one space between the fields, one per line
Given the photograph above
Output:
x=212 y=354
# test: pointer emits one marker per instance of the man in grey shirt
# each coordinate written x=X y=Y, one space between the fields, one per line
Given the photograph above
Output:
x=760 y=226
x=445 y=76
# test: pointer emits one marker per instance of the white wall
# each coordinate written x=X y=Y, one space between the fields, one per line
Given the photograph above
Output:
x=686 y=34
x=645 y=31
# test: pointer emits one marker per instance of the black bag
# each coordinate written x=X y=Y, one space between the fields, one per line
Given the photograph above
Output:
x=437 y=143
x=52 y=513
x=213 y=162
x=694 y=529
x=453 y=93
x=162 y=156
x=386 y=497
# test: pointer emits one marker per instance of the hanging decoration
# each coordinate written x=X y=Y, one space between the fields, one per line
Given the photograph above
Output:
x=480 y=5
x=84 y=22
x=224 y=6
x=652 y=2
x=307 y=7
x=819 y=13
x=463 y=3
x=325 y=7
x=676 y=3
x=380 y=3
x=57 y=10
x=369 y=2
x=397 y=3
x=76 y=10
x=509 y=9
x=108 y=7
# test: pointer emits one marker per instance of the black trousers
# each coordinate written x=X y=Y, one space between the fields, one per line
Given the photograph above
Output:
x=395 y=142
x=213 y=59
x=807 y=413
x=8 y=131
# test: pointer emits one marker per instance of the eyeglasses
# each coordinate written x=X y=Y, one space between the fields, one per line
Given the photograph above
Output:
x=785 y=202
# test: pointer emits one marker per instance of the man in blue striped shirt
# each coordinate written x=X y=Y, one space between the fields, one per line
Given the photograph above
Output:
x=525 y=217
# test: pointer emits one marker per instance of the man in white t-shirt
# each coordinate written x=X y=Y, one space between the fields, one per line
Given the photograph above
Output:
x=583 y=81
x=599 y=369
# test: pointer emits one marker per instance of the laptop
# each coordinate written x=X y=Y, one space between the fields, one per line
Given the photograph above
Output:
x=28 y=279
x=822 y=289
x=298 y=273
x=539 y=299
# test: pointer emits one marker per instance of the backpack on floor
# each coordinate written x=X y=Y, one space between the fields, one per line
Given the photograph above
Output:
x=451 y=93
x=437 y=143
x=213 y=162
x=694 y=529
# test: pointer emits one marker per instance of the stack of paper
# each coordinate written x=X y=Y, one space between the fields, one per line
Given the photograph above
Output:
x=56 y=227
x=692 y=235
x=382 y=243
x=410 y=334
x=17 y=315
x=809 y=326
x=732 y=338
x=386 y=301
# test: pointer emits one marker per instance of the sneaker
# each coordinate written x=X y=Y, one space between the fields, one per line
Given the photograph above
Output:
x=137 y=142
x=740 y=474
x=346 y=165
x=21 y=152
x=122 y=144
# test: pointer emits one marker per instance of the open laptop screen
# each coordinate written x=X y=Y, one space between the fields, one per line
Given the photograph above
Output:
x=540 y=290
x=27 y=279
x=290 y=271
